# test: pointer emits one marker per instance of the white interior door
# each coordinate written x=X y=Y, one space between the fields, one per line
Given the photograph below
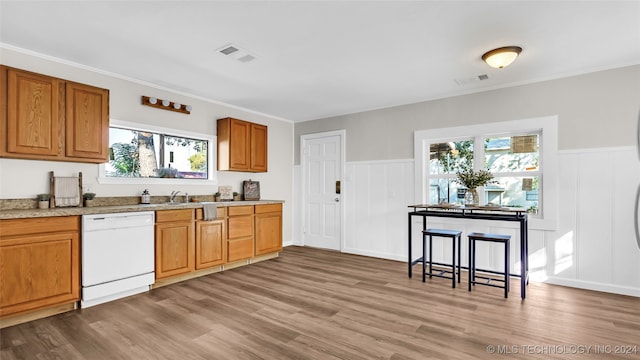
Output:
x=322 y=167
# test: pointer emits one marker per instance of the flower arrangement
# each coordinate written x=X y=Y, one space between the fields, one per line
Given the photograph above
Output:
x=472 y=180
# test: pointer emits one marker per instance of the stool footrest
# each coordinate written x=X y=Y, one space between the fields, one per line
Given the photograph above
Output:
x=489 y=279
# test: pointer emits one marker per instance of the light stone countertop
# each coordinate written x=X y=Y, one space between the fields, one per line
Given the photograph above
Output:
x=70 y=211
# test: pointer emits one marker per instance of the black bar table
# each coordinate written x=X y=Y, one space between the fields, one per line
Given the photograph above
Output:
x=494 y=213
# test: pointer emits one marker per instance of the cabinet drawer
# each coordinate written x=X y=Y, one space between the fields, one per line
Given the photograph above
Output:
x=240 y=226
x=13 y=227
x=222 y=213
x=240 y=249
x=267 y=208
x=240 y=210
x=174 y=215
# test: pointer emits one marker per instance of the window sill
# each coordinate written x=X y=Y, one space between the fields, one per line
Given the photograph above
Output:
x=156 y=181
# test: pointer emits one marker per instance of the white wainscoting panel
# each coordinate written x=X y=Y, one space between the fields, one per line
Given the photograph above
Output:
x=297 y=235
x=625 y=251
x=376 y=196
x=593 y=246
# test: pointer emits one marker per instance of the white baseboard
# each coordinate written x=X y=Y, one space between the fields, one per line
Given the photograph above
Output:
x=375 y=254
x=595 y=286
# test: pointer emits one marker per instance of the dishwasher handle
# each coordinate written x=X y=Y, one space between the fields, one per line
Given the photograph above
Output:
x=100 y=222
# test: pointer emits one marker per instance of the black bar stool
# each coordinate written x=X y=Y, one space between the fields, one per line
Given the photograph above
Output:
x=497 y=238
x=451 y=234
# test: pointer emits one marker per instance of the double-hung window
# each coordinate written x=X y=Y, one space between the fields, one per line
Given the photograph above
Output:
x=513 y=159
x=521 y=155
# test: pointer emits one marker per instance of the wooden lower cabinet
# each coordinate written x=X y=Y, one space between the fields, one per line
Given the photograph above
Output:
x=240 y=249
x=240 y=238
x=39 y=263
x=186 y=243
x=175 y=242
x=210 y=243
x=268 y=225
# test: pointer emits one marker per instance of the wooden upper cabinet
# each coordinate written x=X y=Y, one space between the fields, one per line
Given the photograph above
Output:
x=239 y=138
x=45 y=118
x=258 y=148
x=242 y=146
x=32 y=118
x=87 y=122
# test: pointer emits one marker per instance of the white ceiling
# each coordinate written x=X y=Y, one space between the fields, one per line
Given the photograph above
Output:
x=323 y=58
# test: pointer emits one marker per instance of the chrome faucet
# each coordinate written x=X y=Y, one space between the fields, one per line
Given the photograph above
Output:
x=173 y=196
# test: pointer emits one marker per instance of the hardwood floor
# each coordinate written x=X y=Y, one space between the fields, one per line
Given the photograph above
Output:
x=316 y=304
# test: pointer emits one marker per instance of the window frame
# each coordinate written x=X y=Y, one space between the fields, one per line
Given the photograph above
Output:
x=211 y=155
x=479 y=154
x=545 y=127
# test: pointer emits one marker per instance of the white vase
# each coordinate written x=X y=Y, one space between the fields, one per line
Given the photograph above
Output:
x=43 y=204
x=471 y=197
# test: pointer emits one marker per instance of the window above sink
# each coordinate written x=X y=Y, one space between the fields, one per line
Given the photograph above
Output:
x=146 y=154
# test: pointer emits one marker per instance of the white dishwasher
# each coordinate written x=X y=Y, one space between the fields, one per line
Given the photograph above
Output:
x=117 y=256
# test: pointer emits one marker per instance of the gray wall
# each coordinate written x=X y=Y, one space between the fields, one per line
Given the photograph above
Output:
x=599 y=109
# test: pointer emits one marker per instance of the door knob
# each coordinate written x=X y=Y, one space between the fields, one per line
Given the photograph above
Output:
x=337 y=199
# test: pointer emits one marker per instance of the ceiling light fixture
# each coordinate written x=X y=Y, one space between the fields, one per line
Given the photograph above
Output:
x=501 y=57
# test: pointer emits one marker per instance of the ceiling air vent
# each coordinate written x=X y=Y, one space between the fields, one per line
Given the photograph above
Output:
x=228 y=50
x=246 y=58
x=237 y=53
x=471 y=80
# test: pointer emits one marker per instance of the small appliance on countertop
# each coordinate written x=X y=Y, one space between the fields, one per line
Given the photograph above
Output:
x=145 y=198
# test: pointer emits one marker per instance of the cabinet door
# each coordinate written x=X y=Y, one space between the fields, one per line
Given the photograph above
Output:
x=268 y=232
x=258 y=148
x=175 y=250
x=87 y=122
x=33 y=118
x=210 y=244
x=239 y=154
x=39 y=270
